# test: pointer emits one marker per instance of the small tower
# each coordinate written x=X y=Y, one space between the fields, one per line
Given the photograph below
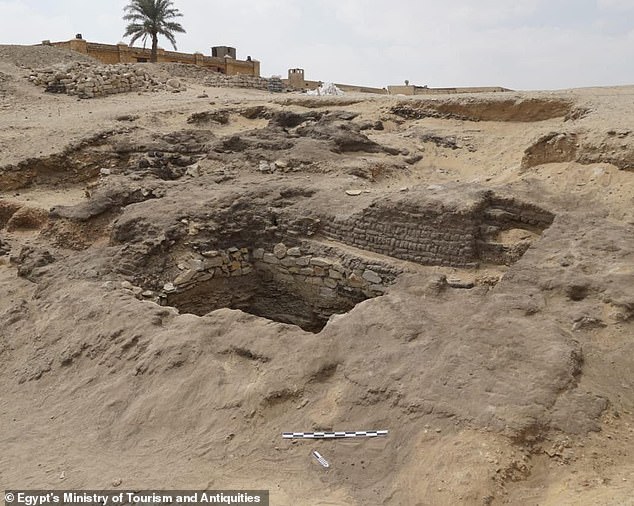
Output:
x=296 y=79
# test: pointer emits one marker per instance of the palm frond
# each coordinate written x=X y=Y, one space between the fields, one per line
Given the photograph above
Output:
x=149 y=18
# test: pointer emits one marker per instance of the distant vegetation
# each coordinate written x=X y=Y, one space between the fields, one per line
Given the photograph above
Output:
x=151 y=18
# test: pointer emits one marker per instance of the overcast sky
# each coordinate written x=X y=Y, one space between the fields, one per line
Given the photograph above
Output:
x=520 y=44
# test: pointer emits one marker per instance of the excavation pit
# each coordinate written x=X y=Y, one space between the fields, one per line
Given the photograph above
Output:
x=303 y=290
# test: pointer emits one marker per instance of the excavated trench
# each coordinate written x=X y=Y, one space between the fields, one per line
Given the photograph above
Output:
x=289 y=285
x=308 y=283
x=261 y=294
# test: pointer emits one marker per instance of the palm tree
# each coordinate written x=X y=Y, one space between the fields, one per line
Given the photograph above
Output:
x=151 y=18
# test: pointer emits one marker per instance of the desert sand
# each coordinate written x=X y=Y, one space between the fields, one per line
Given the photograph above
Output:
x=187 y=275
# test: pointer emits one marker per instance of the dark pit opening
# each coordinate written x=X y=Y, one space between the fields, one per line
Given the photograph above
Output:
x=281 y=298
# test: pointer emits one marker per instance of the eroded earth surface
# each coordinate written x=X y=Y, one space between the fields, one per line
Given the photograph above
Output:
x=187 y=275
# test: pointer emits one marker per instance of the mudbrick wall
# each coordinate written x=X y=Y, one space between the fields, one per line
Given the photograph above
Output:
x=437 y=236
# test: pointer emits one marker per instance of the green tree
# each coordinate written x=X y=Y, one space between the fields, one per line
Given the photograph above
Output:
x=151 y=18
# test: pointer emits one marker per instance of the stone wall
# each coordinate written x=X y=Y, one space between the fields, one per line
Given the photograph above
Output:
x=290 y=285
x=287 y=265
x=237 y=81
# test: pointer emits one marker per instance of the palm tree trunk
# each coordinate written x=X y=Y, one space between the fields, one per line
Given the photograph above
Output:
x=154 y=55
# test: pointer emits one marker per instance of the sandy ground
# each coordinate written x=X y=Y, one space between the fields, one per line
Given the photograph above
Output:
x=517 y=393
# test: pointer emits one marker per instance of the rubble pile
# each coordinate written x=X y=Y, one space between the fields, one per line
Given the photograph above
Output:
x=90 y=81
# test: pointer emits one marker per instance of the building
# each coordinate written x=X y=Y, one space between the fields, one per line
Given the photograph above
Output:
x=297 y=81
x=409 y=89
x=223 y=58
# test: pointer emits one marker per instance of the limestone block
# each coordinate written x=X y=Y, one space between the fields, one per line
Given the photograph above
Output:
x=319 y=271
x=294 y=252
x=327 y=293
x=378 y=288
x=204 y=276
x=258 y=254
x=372 y=277
x=210 y=263
x=321 y=262
x=197 y=265
x=356 y=281
x=335 y=274
x=303 y=261
x=288 y=262
x=185 y=277
x=280 y=250
x=270 y=258
x=338 y=267
x=330 y=283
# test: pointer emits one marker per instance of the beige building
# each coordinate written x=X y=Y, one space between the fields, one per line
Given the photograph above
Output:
x=223 y=58
x=424 y=90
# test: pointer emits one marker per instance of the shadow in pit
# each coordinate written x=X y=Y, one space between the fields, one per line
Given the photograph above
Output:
x=261 y=294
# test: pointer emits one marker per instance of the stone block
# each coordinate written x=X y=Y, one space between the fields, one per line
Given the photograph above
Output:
x=330 y=283
x=321 y=262
x=303 y=261
x=356 y=281
x=288 y=262
x=185 y=277
x=327 y=293
x=270 y=258
x=210 y=263
x=335 y=274
x=294 y=252
x=372 y=277
x=197 y=265
x=258 y=254
x=319 y=271
x=378 y=288
x=280 y=250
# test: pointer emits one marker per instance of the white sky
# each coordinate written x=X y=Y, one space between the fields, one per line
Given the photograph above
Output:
x=520 y=44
